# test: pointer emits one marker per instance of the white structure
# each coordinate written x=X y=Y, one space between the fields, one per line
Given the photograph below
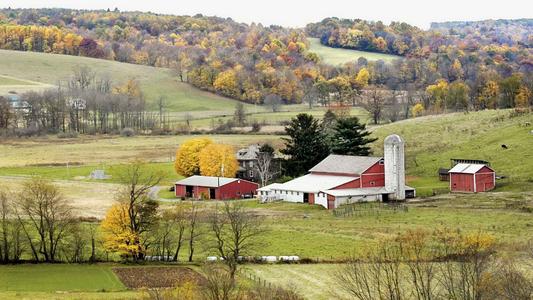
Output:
x=395 y=167
x=343 y=179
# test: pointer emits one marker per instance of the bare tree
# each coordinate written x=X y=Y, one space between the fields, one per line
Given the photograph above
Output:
x=419 y=257
x=236 y=233
x=5 y=226
x=45 y=217
x=180 y=224
x=377 y=275
x=274 y=101
x=137 y=180
x=264 y=167
x=374 y=102
x=219 y=284
x=194 y=230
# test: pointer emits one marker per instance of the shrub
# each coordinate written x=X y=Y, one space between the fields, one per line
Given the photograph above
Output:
x=256 y=126
x=127 y=132
x=68 y=135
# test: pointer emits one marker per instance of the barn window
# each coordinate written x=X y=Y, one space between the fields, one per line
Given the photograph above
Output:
x=372 y=183
x=251 y=174
x=381 y=162
x=297 y=193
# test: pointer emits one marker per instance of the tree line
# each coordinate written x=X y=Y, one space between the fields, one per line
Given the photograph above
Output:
x=439 y=264
x=38 y=224
x=482 y=68
x=85 y=103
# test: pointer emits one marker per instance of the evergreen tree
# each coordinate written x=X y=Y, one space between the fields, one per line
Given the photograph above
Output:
x=306 y=145
x=351 y=138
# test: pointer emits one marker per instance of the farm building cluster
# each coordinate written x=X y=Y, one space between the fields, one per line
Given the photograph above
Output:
x=341 y=179
x=337 y=180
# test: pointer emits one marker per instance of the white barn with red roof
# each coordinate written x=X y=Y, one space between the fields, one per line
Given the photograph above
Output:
x=340 y=179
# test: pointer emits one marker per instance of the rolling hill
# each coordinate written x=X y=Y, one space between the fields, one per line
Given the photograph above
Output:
x=338 y=56
x=22 y=71
x=432 y=141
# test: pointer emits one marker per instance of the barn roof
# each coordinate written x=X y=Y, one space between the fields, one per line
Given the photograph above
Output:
x=207 y=181
x=313 y=183
x=345 y=164
x=467 y=168
x=269 y=187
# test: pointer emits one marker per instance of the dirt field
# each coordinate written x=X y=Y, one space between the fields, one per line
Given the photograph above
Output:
x=90 y=199
x=157 y=277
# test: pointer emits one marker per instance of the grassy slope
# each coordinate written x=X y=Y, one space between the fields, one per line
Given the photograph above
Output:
x=433 y=140
x=50 y=68
x=337 y=56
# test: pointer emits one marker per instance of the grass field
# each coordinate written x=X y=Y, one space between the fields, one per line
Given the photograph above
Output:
x=338 y=56
x=50 y=68
x=316 y=281
x=10 y=84
x=105 y=150
x=60 y=277
x=433 y=140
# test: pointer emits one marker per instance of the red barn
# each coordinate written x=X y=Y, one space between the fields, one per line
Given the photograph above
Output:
x=472 y=178
x=220 y=188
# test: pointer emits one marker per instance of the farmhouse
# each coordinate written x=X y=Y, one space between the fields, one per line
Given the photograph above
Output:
x=248 y=160
x=208 y=187
x=340 y=179
x=472 y=178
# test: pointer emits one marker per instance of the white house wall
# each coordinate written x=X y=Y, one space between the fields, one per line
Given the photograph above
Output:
x=345 y=200
x=289 y=196
x=321 y=200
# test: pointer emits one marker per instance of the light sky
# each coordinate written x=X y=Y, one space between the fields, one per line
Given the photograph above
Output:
x=298 y=13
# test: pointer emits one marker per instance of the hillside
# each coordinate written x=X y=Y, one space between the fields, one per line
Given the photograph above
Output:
x=47 y=69
x=338 y=56
x=432 y=141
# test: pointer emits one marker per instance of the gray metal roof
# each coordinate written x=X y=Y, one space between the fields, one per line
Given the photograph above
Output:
x=249 y=153
x=312 y=183
x=207 y=181
x=345 y=164
x=466 y=168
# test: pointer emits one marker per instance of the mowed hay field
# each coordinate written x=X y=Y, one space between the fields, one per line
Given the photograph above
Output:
x=339 y=56
x=62 y=281
x=432 y=141
x=48 y=69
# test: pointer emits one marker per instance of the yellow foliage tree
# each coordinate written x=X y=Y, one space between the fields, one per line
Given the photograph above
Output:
x=438 y=93
x=117 y=234
x=187 y=157
x=226 y=83
x=488 y=97
x=522 y=98
x=362 y=78
x=417 y=109
x=218 y=160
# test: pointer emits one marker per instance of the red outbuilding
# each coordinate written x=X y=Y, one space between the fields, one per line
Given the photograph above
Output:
x=221 y=188
x=472 y=178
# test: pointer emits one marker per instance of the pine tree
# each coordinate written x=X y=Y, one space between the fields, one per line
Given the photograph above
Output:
x=351 y=138
x=306 y=145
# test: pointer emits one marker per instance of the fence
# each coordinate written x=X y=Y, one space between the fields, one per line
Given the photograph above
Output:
x=369 y=208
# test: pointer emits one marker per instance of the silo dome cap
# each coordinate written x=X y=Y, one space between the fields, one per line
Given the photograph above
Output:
x=393 y=139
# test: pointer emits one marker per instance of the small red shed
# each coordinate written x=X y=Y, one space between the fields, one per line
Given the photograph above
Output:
x=472 y=178
x=221 y=188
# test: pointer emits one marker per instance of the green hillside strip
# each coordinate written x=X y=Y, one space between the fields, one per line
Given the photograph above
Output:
x=338 y=56
x=51 y=68
x=433 y=140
